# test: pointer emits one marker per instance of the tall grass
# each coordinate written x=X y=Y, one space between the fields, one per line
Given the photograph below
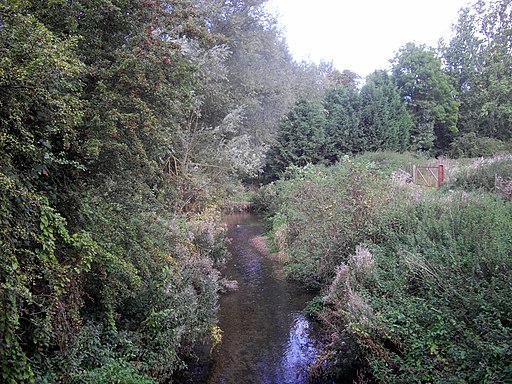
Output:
x=486 y=174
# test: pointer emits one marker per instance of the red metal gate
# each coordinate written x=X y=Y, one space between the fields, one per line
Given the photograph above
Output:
x=428 y=176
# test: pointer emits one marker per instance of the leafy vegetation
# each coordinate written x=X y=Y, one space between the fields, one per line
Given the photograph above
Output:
x=450 y=100
x=126 y=124
x=121 y=127
x=409 y=292
x=428 y=94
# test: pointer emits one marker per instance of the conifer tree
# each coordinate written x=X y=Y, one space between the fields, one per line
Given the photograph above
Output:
x=385 y=122
x=342 y=127
x=300 y=140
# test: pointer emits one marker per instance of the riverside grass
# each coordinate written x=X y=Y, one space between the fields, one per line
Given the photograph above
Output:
x=431 y=303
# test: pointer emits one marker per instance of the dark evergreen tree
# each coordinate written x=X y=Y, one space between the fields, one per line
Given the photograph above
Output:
x=385 y=122
x=300 y=139
x=342 y=128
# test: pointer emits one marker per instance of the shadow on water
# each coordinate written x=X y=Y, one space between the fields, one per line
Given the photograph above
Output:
x=266 y=338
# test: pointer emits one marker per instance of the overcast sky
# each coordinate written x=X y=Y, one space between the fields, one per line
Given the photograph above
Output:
x=362 y=35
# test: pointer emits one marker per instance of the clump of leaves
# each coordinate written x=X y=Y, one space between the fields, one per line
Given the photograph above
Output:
x=324 y=213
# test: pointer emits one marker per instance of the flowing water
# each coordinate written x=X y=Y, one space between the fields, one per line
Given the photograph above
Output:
x=266 y=338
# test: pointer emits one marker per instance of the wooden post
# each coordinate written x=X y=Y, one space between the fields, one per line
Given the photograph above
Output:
x=414 y=173
x=440 y=175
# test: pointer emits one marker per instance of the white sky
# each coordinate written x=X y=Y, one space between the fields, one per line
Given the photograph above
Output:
x=362 y=35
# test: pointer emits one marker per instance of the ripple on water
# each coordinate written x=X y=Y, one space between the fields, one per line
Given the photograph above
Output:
x=300 y=350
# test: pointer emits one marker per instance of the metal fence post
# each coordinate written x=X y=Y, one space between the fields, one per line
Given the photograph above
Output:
x=440 y=175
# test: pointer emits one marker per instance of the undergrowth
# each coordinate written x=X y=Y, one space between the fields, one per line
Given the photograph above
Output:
x=415 y=282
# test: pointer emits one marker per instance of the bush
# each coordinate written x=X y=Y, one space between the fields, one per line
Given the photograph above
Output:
x=434 y=305
x=265 y=199
x=483 y=173
x=324 y=214
x=116 y=372
x=470 y=145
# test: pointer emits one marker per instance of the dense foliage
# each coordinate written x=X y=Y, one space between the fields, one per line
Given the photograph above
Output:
x=122 y=125
x=385 y=122
x=408 y=292
x=478 y=61
x=348 y=121
x=428 y=94
x=300 y=139
x=451 y=100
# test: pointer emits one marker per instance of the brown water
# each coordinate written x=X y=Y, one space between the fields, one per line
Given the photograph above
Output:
x=266 y=338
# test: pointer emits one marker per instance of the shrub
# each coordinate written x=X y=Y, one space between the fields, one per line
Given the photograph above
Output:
x=482 y=173
x=116 y=371
x=434 y=307
x=265 y=199
x=325 y=213
x=470 y=145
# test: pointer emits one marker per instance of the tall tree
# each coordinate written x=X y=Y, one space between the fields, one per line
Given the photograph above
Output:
x=263 y=81
x=385 y=121
x=429 y=95
x=300 y=139
x=342 y=128
x=95 y=99
x=479 y=59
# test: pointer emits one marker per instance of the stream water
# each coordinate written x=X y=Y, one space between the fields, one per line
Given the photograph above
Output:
x=266 y=338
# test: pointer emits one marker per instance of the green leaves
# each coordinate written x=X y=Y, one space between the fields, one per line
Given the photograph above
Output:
x=38 y=78
x=351 y=121
x=301 y=139
x=322 y=214
x=343 y=122
x=478 y=59
x=429 y=96
x=93 y=94
x=385 y=122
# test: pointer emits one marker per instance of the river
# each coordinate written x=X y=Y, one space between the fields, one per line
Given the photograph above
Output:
x=266 y=337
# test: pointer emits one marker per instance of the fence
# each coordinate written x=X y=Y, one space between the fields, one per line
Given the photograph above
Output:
x=428 y=176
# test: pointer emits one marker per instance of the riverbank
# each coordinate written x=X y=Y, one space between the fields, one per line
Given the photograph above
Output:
x=415 y=282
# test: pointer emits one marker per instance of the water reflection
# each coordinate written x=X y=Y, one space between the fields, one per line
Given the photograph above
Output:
x=300 y=350
x=266 y=339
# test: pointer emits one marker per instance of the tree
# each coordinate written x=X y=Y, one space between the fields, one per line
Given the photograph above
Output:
x=429 y=96
x=342 y=128
x=94 y=97
x=300 y=139
x=385 y=122
x=479 y=60
x=335 y=78
x=262 y=80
